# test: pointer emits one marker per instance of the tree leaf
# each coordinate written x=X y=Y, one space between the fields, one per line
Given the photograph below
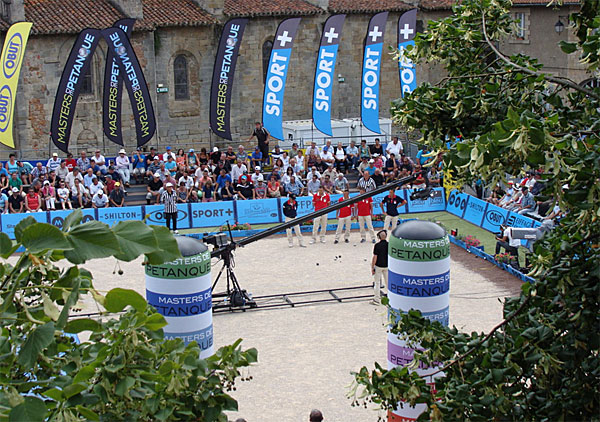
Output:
x=50 y=309
x=54 y=393
x=168 y=249
x=135 y=238
x=568 y=47
x=38 y=339
x=22 y=225
x=73 y=219
x=90 y=241
x=31 y=410
x=74 y=389
x=87 y=413
x=117 y=299
x=155 y=322
x=536 y=158
x=84 y=374
x=124 y=386
x=41 y=236
x=6 y=245
x=76 y=326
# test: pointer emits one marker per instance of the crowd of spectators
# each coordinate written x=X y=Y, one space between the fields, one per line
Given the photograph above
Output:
x=207 y=175
x=523 y=197
x=230 y=174
x=85 y=182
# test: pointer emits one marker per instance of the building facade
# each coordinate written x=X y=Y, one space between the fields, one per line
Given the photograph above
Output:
x=176 y=41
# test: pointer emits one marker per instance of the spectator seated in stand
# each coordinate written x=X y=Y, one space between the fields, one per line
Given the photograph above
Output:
x=117 y=196
x=260 y=189
x=33 y=201
x=16 y=202
x=274 y=187
x=63 y=196
x=313 y=185
x=48 y=195
x=244 y=190
x=80 y=195
x=25 y=170
x=256 y=158
x=294 y=186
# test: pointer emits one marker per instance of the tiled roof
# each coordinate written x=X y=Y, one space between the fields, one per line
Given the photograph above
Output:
x=69 y=16
x=250 y=8
x=161 y=13
x=447 y=4
x=436 y=4
x=367 y=6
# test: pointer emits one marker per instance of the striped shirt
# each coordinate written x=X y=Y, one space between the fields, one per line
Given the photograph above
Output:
x=170 y=201
x=367 y=185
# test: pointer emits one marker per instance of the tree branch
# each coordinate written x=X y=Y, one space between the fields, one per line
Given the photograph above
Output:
x=557 y=80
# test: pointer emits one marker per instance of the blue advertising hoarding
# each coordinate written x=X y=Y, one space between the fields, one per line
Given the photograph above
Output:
x=431 y=204
x=494 y=216
x=156 y=217
x=112 y=216
x=457 y=203
x=475 y=210
x=212 y=214
x=263 y=211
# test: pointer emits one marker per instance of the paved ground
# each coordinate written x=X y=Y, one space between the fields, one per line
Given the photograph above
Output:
x=306 y=354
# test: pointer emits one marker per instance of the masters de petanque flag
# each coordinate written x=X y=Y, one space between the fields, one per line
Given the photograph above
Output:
x=129 y=66
x=69 y=86
x=325 y=72
x=223 y=73
x=371 y=70
x=407 y=29
x=113 y=90
x=277 y=75
x=12 y=58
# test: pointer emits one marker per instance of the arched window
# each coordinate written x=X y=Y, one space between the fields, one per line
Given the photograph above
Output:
x=180 y=72
x=87 y=83
x=266 y=56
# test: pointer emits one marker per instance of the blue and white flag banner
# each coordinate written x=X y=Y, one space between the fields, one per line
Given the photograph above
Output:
x=407 y=29
x=371 y=70
x=279 y=64
x=325 y=73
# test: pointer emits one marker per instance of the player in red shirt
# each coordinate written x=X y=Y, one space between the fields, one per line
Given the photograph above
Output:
x=365 y=212
x=321 y=200
x=344 y=216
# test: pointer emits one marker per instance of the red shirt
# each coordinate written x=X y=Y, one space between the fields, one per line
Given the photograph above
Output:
x=33 y=201
x=71 y=163
x=364 y=207
x=346 y=211
x=321 y=202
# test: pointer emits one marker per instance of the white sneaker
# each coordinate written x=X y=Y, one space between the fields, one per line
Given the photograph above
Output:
x=302 y=245
x=322 y=240
x=312 y=241
x=291 y=245
x=176 y=232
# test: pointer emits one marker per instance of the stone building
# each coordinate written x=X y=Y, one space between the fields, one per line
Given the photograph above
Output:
x=176 y=41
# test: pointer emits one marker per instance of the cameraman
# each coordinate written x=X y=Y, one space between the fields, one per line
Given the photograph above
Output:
x=506 y=241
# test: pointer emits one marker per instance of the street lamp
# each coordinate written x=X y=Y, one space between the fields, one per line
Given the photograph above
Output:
x=559 y=27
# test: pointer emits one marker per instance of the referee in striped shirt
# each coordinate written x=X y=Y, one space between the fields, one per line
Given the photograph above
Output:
x=169 y=198
x=366 y=182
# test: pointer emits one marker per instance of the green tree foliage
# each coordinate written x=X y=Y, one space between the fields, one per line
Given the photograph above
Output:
x=542 y=362
x=125 y=370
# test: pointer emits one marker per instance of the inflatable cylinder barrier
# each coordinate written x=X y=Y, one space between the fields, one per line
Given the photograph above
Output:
x=418 y=278
x=181 y=292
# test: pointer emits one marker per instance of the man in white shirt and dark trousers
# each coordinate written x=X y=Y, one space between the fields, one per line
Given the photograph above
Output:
x=169 y=199
x=506 y=241
x=379 y=265
x=290 y=210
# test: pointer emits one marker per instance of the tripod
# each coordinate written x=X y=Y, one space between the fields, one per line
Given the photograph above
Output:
x=237 y=296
